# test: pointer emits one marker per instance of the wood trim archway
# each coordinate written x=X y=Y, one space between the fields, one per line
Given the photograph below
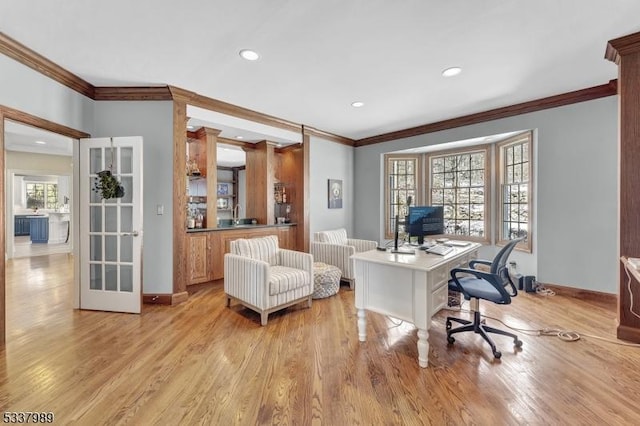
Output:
x=29 y=120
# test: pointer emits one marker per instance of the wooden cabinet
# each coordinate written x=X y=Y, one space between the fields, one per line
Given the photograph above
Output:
x=199 y=257
x=206 y=249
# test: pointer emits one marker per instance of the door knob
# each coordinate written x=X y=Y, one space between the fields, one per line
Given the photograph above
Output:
x=129 y=234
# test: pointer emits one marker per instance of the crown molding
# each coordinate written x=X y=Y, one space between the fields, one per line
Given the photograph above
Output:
x=205 y=102
x=288 y=148
x=235 y=142
x=19 y=52
x=33 y=60
x=569 y=98
x=140 y=93
x=622 y=46
x=328 y=136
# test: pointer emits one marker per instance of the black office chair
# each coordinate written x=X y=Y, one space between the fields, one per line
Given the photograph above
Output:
x=475 y=285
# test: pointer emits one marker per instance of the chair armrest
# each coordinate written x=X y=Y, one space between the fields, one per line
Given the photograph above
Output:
x=472 y=263
x=334 y=254
x=246 y=279
x=296 y=259
x=491 y=279
x=362 y=245
x=326 y=252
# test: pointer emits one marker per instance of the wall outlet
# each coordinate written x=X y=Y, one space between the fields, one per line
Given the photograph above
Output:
x=635 y=262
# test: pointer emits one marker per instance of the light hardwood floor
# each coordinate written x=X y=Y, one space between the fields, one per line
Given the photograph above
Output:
x=203 y=363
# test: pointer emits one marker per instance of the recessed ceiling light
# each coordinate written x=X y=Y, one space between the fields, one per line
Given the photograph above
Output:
x=450 y=72
x=239 y=137
x=249 y=55
x=357 y=104
x=190 y=127
x=41 y=142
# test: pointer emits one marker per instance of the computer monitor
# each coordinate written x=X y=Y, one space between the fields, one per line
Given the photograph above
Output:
x=425 y=220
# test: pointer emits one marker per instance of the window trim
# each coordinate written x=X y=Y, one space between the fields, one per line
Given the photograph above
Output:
x=527 y=245
x=488 y=183
x=45 y=184
x=388 y=232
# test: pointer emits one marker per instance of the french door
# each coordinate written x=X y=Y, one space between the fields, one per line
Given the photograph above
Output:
x=111 y=228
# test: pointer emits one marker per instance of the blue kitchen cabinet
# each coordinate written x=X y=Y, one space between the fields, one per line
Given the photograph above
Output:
x=39 y=229
x=21 y=225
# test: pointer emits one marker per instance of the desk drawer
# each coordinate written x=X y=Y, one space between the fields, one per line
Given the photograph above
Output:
x=463 y=262
x=439 y=299
x=439 y=276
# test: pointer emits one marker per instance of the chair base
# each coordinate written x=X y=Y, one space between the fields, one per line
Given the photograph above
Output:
x=264 y=313
x=480 y=328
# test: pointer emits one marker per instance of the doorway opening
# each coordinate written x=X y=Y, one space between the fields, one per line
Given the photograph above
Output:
x=39 y=222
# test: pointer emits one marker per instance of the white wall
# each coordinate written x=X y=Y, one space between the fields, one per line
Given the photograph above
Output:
x=330 y=160
x=575 y=243
x=153 y=120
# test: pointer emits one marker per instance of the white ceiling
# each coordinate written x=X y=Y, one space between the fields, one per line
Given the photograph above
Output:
x=20 y=137
x=318 y=56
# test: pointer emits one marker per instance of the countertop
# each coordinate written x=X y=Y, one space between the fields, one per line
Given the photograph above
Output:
x=233 y=228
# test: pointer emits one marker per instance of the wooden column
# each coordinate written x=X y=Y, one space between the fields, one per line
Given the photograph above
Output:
x=209 y=139
x=625 y=52
x=259 y=182
x=180 y=265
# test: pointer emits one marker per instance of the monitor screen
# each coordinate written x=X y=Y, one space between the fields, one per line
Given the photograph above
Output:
x=425 y=220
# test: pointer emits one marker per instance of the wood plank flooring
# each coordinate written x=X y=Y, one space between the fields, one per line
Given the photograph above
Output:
x=203 y=363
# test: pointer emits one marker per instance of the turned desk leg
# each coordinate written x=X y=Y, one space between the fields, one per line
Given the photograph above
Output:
x=362 y=325
x=423 y=348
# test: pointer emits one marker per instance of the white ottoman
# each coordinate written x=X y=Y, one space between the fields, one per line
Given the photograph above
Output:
x=326 y=280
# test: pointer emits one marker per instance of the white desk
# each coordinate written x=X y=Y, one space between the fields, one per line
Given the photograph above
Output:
x=408 y=287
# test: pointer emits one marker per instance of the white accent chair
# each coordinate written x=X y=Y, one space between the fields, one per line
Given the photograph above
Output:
x=334 y=248
x=266 y=278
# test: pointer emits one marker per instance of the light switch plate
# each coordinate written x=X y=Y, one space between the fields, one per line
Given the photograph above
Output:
x=159 y=209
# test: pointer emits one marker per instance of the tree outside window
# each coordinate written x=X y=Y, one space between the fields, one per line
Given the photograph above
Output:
x=515 y=189
x=458 y=182
x=41 y=195
x=462 y=181
x=402 y=177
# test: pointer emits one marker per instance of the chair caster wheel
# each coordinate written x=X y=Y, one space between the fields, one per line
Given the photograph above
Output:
x=450 y=340
x=518 y=343
x=497 y=354
x=448 y=324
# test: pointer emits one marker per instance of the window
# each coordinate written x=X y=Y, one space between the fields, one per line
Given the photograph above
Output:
x=515 y=189
x=41 y=195
x=468 y=182
x=402 y=174
x=460 y=181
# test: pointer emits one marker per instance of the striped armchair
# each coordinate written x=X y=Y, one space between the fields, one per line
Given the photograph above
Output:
x=334 y=248
x=265 y=278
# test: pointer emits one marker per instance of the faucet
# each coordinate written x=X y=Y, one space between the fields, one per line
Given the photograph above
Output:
x=236 y=211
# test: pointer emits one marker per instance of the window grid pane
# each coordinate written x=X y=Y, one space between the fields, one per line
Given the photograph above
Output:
x=402 y=185
x=515 y=191
x=457 y=183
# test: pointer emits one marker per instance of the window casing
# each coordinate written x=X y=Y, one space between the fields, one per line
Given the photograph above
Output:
x=402 y=174
x=467 y=183
x=461 y=182
x=41 y=195
x=515 y=190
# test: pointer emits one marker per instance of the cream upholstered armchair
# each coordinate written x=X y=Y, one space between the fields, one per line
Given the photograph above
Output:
x=266 y=278
x=334 y=248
